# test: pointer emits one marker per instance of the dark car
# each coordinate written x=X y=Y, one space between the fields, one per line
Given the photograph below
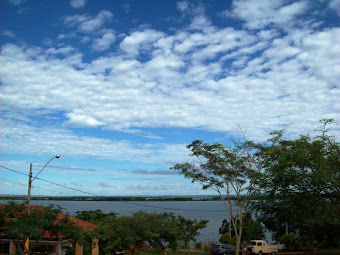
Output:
x=223 y=249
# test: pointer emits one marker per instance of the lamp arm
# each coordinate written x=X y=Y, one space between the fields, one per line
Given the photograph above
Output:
x=57 y=156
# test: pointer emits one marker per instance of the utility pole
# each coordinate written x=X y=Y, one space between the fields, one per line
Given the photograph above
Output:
x=27 y=241
x=30 y=180
x=29 y=190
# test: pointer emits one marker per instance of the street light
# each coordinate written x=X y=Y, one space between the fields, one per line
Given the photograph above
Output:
x=29 y=194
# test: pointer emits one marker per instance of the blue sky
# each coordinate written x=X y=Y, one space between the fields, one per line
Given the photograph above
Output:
x=119 y=88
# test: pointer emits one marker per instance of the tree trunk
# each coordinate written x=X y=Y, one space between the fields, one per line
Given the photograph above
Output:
x=238 y=240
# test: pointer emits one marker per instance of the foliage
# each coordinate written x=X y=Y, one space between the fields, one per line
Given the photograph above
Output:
x=94 y=216
x=159 y=230
x=190 y=229
x=18 y=224
x=228 y=170
x=252 y=229
x=227 y=239
x=301 y=189
x=198 y=245
x=291 y=243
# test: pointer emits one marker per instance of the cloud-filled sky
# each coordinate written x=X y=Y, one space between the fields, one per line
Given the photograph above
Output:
x=119 y=88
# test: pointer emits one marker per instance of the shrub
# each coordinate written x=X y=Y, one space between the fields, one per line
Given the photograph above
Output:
x=225 y=238
x=207 y=248
x=198 y=245
x=291 y=242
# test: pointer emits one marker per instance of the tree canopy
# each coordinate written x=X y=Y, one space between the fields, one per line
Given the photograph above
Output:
x=159 y=230
x=300 y=189
x=230 y=170
x=19 y=225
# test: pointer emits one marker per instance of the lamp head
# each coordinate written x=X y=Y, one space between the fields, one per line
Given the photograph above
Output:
x=57 y=156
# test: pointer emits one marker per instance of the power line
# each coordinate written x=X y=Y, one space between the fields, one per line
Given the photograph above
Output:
x=128 y=202
x=13 y=170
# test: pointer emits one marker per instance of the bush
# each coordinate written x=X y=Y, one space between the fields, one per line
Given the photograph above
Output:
x=225 y=238
x=198 y=245
x=207 y=248
x=291 y=242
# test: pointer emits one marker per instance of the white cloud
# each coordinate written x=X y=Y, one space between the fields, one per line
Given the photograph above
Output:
x=81 y=120
x=138 y=40
x=105 y=41
x=78 y=3
x=22 y=138
x=260 y=14
x=88 y=24
x=335 y=5
x=209 y=79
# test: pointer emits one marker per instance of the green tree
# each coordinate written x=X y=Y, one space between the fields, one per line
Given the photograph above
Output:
x=166 y=230
x=125 y=232
x=301 y=189
x=190 y=229
x=19 y=225
x=228 y=170
x=160 y=230
x=252 y=229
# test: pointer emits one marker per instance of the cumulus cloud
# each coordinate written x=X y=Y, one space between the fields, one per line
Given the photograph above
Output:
x=77 y=3
x=207 y=79
x=88 y=24
x=260 y=14
x=105 y=41
x=140 y=40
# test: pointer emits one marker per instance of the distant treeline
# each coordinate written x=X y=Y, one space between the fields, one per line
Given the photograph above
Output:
x=114 y=198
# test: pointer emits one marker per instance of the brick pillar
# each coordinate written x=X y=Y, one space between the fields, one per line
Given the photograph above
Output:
x=58 y=249
x=95 y=247
x=79 y=249
x=12 y=248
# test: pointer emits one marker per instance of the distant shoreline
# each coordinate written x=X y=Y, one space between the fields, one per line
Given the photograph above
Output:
x=115 y=198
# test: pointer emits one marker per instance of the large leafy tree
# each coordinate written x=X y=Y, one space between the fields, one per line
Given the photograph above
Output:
x=229 y=170
x=19 y=225
x=301 y=189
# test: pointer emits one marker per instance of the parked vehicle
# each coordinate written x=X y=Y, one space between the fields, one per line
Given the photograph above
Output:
x=261 y=247
x=223 y=249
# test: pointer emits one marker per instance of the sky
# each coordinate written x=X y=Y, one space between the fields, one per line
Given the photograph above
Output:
x=119 y=88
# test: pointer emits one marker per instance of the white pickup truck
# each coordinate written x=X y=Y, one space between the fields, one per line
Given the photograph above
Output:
x=261 y=247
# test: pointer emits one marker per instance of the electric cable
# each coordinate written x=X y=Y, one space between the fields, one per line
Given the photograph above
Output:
x=128 y=202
